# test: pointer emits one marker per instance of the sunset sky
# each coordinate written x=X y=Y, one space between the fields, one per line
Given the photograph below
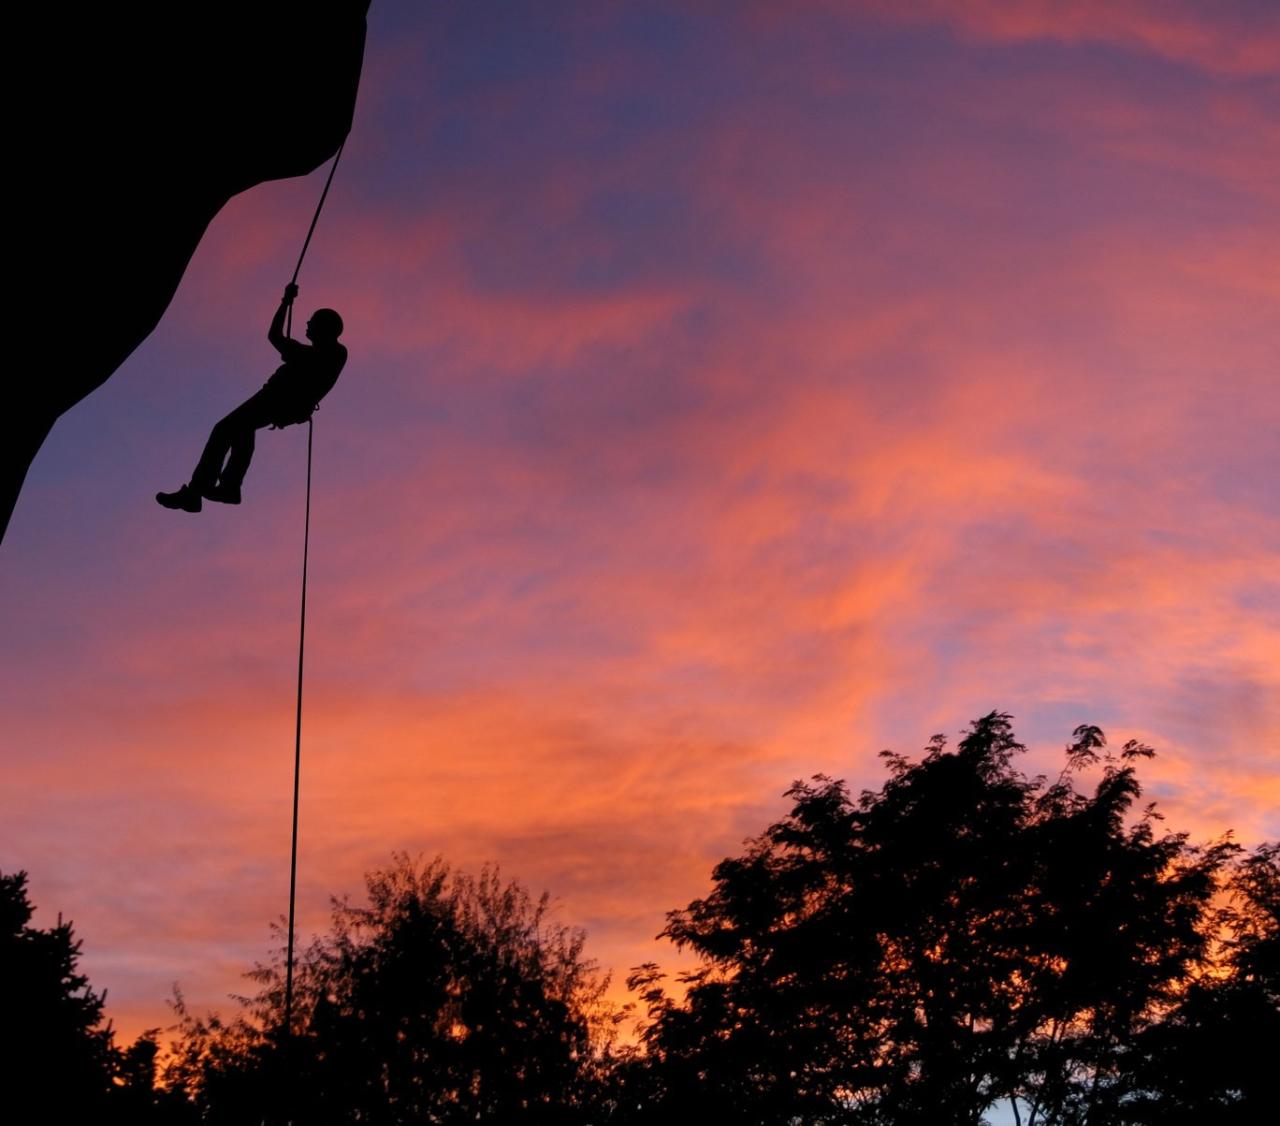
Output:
x=736 y=389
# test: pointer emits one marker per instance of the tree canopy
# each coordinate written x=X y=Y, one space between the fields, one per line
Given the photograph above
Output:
x=961 y=936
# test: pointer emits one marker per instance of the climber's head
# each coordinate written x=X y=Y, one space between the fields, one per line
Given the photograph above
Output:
x=324 y=326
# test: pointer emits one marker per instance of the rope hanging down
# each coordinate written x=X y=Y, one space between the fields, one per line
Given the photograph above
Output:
x=297 y=753
x=302 y=637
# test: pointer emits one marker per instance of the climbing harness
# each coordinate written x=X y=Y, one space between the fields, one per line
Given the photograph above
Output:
x=302 y=637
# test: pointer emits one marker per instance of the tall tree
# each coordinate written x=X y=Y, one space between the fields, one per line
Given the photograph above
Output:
x=961 y=936
x=58 y=1055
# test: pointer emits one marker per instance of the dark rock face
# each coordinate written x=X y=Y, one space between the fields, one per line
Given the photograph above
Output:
x=138 y=123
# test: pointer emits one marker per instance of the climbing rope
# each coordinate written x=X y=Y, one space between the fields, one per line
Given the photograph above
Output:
x=297 y=751
x=302 y=637
x=312 y=230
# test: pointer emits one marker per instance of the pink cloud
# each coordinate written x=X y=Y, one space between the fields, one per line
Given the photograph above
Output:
x=912 y=431
x=1233 y=38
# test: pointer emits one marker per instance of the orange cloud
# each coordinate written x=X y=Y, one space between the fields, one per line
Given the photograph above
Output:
x=941 y=397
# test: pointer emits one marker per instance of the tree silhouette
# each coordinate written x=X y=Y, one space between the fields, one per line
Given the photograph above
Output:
x=444 y=999
x=59 y=1052
x=59 y=1059
x=961 y=936
x=1214 y=1053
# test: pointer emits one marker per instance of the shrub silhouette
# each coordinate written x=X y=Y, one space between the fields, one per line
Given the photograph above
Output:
x=444 y=999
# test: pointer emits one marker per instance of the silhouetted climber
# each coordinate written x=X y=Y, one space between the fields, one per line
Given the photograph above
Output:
x=288 y=397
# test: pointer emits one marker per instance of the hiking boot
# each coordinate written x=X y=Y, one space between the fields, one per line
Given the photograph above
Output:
x=186 y=499
x=224 y=494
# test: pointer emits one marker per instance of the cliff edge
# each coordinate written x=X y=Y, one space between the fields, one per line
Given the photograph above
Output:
x=137 y=123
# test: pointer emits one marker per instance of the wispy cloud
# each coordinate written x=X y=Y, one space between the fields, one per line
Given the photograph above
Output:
x=718 y=413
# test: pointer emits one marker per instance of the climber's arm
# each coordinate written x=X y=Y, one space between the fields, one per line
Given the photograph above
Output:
x=276 y=332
